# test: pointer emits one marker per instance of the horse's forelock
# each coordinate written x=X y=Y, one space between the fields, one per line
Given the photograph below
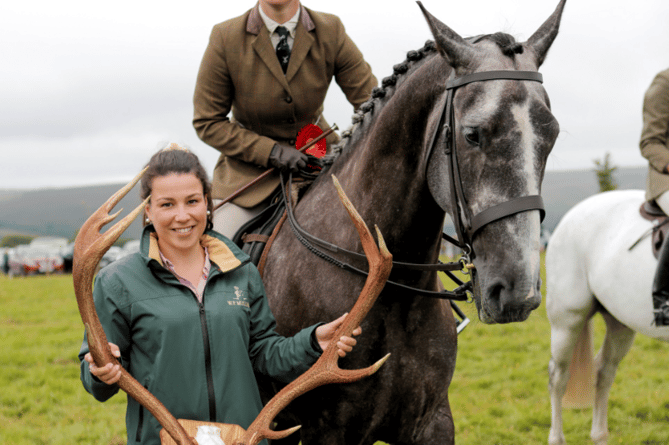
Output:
x=506 y=42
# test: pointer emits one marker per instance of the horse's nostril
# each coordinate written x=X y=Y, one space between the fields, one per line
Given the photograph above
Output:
x=495 y=295
x=496 y=292
x=506 y=302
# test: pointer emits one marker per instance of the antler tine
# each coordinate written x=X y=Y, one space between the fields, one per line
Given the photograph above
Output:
x=89 y=247
x=326 y=369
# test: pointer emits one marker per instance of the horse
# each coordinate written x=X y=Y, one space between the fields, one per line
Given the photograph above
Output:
x=397 y=164
x=599 y=260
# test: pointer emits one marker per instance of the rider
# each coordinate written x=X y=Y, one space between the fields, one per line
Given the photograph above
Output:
x=270 y=103
x=655 y=147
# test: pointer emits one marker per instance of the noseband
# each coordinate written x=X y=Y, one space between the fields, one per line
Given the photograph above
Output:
x=466 y=224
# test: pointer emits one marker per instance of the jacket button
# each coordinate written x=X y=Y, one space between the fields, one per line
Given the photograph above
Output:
x=291 y=120
x=289 y=99
x=291 y=142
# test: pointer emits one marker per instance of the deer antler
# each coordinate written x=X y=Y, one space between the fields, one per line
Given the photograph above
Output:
x=326 y=369
x=89 y=247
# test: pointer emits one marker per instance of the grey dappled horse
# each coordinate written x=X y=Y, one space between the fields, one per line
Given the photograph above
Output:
x=504 y=131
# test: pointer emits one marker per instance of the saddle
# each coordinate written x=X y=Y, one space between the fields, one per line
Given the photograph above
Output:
x=652 y=212
x=256 y=236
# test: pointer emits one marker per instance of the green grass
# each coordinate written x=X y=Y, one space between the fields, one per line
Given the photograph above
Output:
x=498 y=395
x=42 y=400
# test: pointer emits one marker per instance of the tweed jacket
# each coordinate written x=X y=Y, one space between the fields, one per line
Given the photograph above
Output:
x=655 y=135
x=240 y=73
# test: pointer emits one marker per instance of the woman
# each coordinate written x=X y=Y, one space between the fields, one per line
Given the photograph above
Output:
x=251 y=108
x=187 y=315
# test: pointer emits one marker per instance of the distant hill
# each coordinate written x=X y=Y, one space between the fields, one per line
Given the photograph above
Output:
x=60 y=212
x=562 y=190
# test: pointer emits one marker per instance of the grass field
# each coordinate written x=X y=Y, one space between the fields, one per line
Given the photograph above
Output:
x=498 y=395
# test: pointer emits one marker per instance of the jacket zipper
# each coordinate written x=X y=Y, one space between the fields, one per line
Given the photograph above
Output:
x=140 y=421
x=207 y=363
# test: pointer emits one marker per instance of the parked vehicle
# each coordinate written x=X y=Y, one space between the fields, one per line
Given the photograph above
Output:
x=68 y=256
x=53 y=243
x=26 y=260
x=110 y=256
x=129 y=247
x=4 y=259
x=115 y=253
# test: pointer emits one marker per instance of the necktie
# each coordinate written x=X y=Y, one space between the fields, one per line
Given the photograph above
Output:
x=282 y=48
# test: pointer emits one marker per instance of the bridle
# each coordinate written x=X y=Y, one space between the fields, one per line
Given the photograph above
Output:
x=466 y=224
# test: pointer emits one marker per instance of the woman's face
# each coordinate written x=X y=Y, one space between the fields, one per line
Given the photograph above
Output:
x=178 y=211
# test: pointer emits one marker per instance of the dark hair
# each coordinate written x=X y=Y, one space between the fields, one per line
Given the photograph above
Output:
x=176 y=159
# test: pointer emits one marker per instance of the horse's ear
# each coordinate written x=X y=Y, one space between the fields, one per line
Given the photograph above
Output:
x=543 y=38
x=457 y=52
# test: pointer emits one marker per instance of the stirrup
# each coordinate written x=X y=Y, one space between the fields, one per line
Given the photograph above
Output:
x=461 y=319
x=662 y=314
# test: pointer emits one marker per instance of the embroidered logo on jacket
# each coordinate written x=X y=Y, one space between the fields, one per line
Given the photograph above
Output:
x=240 y=298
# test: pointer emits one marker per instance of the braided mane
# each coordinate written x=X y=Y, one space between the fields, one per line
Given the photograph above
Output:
x=381 y=95
x=506 y=42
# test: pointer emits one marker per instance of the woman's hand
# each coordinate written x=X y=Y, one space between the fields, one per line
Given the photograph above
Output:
x=109 y=373
x=325 y=334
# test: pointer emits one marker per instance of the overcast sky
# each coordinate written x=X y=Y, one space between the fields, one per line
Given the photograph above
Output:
x=89 y=90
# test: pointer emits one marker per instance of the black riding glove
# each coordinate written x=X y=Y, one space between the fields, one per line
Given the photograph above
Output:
x=287 y=158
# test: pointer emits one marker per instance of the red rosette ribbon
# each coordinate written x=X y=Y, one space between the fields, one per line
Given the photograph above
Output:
x=306 y=135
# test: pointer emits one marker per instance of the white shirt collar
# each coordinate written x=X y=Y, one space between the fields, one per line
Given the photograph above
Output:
x=290 y=25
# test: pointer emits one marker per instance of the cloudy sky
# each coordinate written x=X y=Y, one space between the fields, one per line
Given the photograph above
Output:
x=89 y=90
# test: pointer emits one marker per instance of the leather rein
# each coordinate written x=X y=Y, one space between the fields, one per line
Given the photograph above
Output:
x=319 y=247
x=466 y=225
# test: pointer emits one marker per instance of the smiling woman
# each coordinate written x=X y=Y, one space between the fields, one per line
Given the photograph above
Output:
x=179 y=209
x=187 y=315
x=178 y=212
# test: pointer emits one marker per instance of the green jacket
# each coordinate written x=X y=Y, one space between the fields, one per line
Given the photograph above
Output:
x=198 y=359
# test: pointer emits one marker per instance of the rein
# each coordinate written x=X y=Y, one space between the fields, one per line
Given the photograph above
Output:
x=318 y=247
x=466 y=224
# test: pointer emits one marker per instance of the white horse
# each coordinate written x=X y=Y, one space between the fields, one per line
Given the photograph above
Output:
x=590 y=269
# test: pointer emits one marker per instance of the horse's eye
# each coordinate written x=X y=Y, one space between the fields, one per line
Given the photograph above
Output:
x=472 y=135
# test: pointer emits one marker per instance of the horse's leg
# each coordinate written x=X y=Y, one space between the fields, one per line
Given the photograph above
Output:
x=569 y=305
x=441 y=429
x=617 y=343
x=564 y=340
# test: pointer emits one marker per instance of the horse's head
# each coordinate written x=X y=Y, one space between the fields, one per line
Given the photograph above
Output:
x=503 y=131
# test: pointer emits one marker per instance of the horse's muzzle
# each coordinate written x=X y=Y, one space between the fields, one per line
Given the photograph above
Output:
x=508 y=300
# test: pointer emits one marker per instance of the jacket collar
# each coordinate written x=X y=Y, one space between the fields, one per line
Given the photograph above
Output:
x=263 y=46
x=222 y=252
x=255 y=23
